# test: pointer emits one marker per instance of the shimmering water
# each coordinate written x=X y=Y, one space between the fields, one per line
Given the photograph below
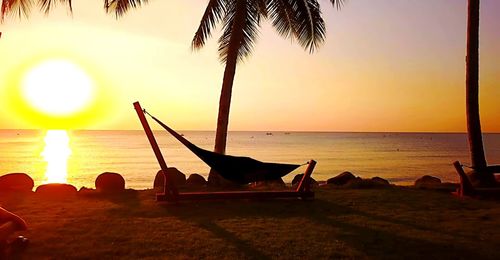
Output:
x=398 y=157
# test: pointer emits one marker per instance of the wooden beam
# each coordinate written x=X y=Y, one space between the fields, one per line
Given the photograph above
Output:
x=305 y=182
x=169 y=188
x=466 y=188
x=237 y=195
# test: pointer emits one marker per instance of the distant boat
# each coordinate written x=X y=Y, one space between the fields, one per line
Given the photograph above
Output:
x=269 y=133
x=287 y=133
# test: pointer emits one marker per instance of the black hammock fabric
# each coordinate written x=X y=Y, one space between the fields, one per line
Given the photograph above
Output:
x=238 y=169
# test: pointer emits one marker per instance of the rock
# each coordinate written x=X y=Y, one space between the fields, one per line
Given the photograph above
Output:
x=20 y=182
x=196 y=180
x=427 y=181
x=216 y=180
x=177 y=176
x=109 y=182
x=380 y=181
x=279 y=183
x=360 y=183
x=85 y=189
x=341 y=179
x=57 y=190
x=296 y=180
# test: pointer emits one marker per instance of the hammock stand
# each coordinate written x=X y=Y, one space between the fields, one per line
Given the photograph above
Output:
x=171 y=193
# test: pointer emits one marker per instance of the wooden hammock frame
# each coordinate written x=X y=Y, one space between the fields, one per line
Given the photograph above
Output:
x=171 y=193
x=467 y=190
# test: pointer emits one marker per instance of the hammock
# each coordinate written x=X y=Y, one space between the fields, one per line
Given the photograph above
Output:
x=238 y=169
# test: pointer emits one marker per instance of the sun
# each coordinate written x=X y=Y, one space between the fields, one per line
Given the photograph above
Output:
x=57 y=87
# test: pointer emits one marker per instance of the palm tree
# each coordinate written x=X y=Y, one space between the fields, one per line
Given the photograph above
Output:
x=297 y=19
x=474 y=134
x=23 y=7
x=12 y=7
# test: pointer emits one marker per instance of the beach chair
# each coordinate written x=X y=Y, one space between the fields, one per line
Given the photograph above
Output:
x=467 y=189
x=242 y=170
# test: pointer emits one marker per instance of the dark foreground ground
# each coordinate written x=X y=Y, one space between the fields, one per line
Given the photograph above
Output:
x=398 y=223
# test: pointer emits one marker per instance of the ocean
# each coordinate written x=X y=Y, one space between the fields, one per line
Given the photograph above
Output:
x=398 y=157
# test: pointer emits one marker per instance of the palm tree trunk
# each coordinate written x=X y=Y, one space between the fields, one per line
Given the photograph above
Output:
x=227 y=86
x=474 y=133
x=472 y=87
x=214 y=179
x=224 y=105
x=229 y=71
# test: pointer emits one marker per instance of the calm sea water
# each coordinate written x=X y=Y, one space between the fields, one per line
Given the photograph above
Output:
x=398 y=157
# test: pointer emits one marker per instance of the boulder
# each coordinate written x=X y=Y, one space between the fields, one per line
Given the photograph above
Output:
x=216 y=180
x=427 y=181
x=109 y=182
x=16 y=182
x=360 y=183
x=177 y=176
x=296 y=180
x=341 y=179
x=196 y=180
x=380 y=181
x=86 y=191
x=56 y=190
x=279 y=183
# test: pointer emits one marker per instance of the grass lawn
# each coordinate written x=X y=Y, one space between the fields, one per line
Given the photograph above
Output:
x=397 y=223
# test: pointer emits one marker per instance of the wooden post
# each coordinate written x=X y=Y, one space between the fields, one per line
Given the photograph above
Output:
x=466 y=187
x=169 y=188
x=305 y=182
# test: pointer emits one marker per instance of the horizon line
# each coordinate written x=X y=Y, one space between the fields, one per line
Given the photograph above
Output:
x=263 y=131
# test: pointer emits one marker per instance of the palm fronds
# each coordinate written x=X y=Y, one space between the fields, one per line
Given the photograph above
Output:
x=213 y=14
x=120 y=7
x=282 y=17
x=240 y=19
x=15 y=7
x=240 y=29
x=309 y=25
x=46 y=5
x=338 y=3
x=23 y=7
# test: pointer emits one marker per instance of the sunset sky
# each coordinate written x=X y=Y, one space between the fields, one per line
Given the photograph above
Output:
x=385 y=66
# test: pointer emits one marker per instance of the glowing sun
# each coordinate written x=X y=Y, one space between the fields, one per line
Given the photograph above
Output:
x=57 y=87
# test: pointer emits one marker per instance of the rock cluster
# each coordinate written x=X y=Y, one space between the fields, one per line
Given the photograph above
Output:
x=349 y=180
x=341 y=179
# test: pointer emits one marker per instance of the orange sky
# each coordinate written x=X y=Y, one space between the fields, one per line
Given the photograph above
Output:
x=385 y=66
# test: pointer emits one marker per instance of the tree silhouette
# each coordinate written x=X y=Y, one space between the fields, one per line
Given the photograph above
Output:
x=23 y=7
x=481 y=173
x=241 y=20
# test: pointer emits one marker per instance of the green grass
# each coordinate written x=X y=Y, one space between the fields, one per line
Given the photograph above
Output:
x=396 y=223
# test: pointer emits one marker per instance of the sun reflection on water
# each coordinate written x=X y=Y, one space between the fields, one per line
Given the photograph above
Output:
x=56 y=153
